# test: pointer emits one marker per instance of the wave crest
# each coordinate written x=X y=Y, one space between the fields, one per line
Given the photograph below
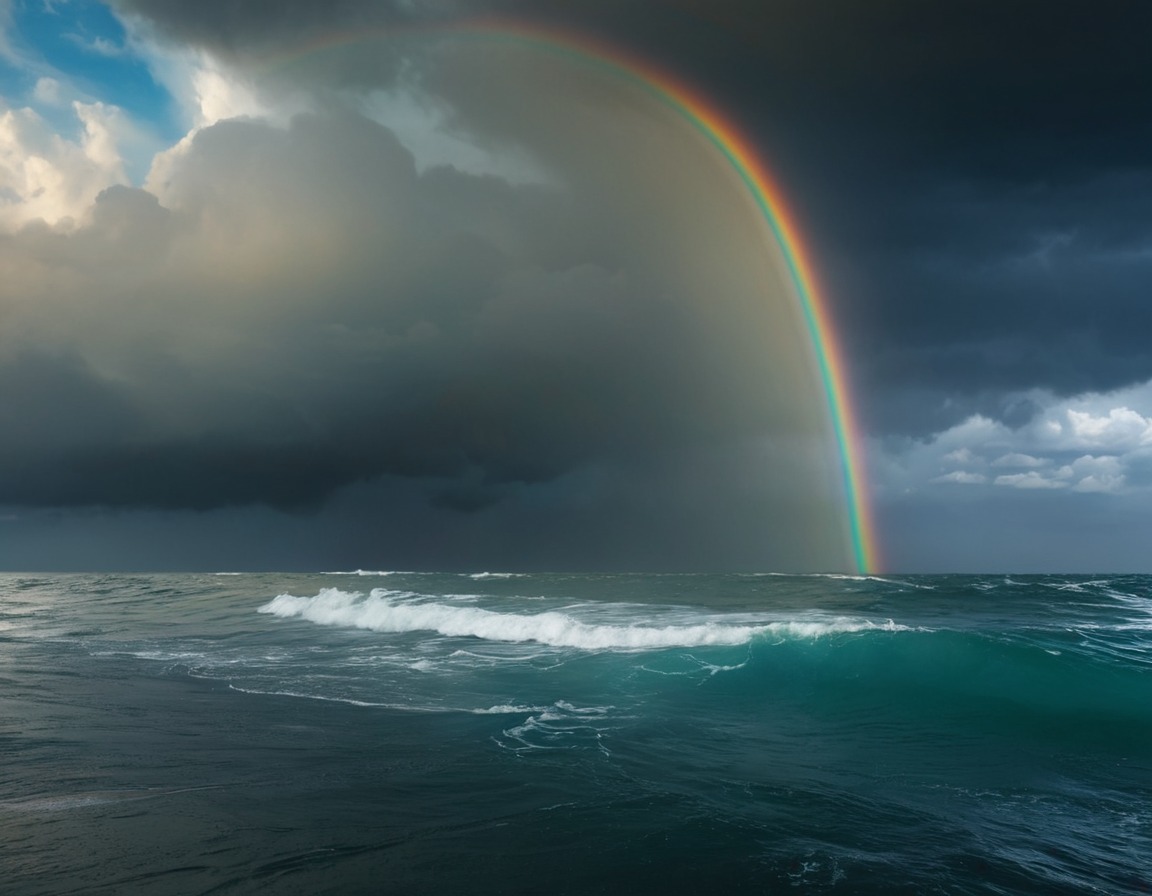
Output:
x=398 y=611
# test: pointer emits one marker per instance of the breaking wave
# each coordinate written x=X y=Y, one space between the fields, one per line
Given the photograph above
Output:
x=395 y=611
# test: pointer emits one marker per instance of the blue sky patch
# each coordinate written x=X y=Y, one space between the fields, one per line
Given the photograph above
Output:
x=82 y=44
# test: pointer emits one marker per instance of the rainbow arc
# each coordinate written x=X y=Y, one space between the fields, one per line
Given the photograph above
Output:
x=708 y=120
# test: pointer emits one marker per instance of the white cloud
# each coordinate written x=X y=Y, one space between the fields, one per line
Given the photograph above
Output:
x=961 y=456
x=1090 y=443
x=1031 y=479
x=220 y=96
x=964 y=438
x=44 y=176
x=1098 y=474
x=48 y=92
x=962 y=477
x=99 y=46
x=102 y=126
x=1016 y=459
x=203 y=88
x=206 y=92
x=1121 y=428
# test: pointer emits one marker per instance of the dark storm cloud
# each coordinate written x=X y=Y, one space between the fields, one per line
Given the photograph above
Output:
x=976 y=178
x=306 y=314
x=300 y=309
x=974 y=175
x=240 y=26
x=974 y=83
x=242 y=32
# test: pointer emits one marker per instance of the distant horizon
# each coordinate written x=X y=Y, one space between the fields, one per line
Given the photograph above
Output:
x=474 y=573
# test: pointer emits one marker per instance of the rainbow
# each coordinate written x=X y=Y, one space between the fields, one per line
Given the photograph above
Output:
x=707 y=119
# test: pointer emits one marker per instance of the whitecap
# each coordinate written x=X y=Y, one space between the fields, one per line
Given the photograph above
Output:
x=398 y=612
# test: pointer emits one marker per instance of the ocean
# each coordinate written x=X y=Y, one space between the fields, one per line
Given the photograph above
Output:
x=403 y=732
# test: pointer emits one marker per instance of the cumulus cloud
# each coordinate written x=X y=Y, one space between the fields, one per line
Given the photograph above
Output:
x=48 y=91
x=961 y=456
x=1097 y=474
x=218 y=96
x=1016 y=459
x=1031 y=479
x=962 y=477
x=1094 y=443
x=45 y=176
x=1120 y=430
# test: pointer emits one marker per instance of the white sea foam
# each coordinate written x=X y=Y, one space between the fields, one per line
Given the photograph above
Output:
x=562 y=726
x=422 y=666
x=397 y=611
x=840 y=576
x=505 y=709
x=497 y=575
x=371 y=572
x=325 y=698
x=430 y=707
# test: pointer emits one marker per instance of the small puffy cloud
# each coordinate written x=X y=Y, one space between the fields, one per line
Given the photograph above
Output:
x=1098 y=474
x=1120 y=429
x=962 y=477
x=1028 y=480
x=960 y=441
x=961 y=456
x=48 y=91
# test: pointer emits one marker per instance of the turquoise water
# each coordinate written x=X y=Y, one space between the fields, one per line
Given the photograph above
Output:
x=491 y=733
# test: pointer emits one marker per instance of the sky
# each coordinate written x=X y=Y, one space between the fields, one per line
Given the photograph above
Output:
x=433 y=284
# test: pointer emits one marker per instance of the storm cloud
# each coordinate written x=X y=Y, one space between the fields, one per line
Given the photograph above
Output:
x=969 y=172
x=475 y=280
x=294 y=305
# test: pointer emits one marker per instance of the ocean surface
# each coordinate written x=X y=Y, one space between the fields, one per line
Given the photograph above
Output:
x=395 y=732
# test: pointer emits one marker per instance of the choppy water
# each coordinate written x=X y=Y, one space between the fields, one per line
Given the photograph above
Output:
x=412 y=732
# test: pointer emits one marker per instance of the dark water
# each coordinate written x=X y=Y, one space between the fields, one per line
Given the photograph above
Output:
x=411 y=733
